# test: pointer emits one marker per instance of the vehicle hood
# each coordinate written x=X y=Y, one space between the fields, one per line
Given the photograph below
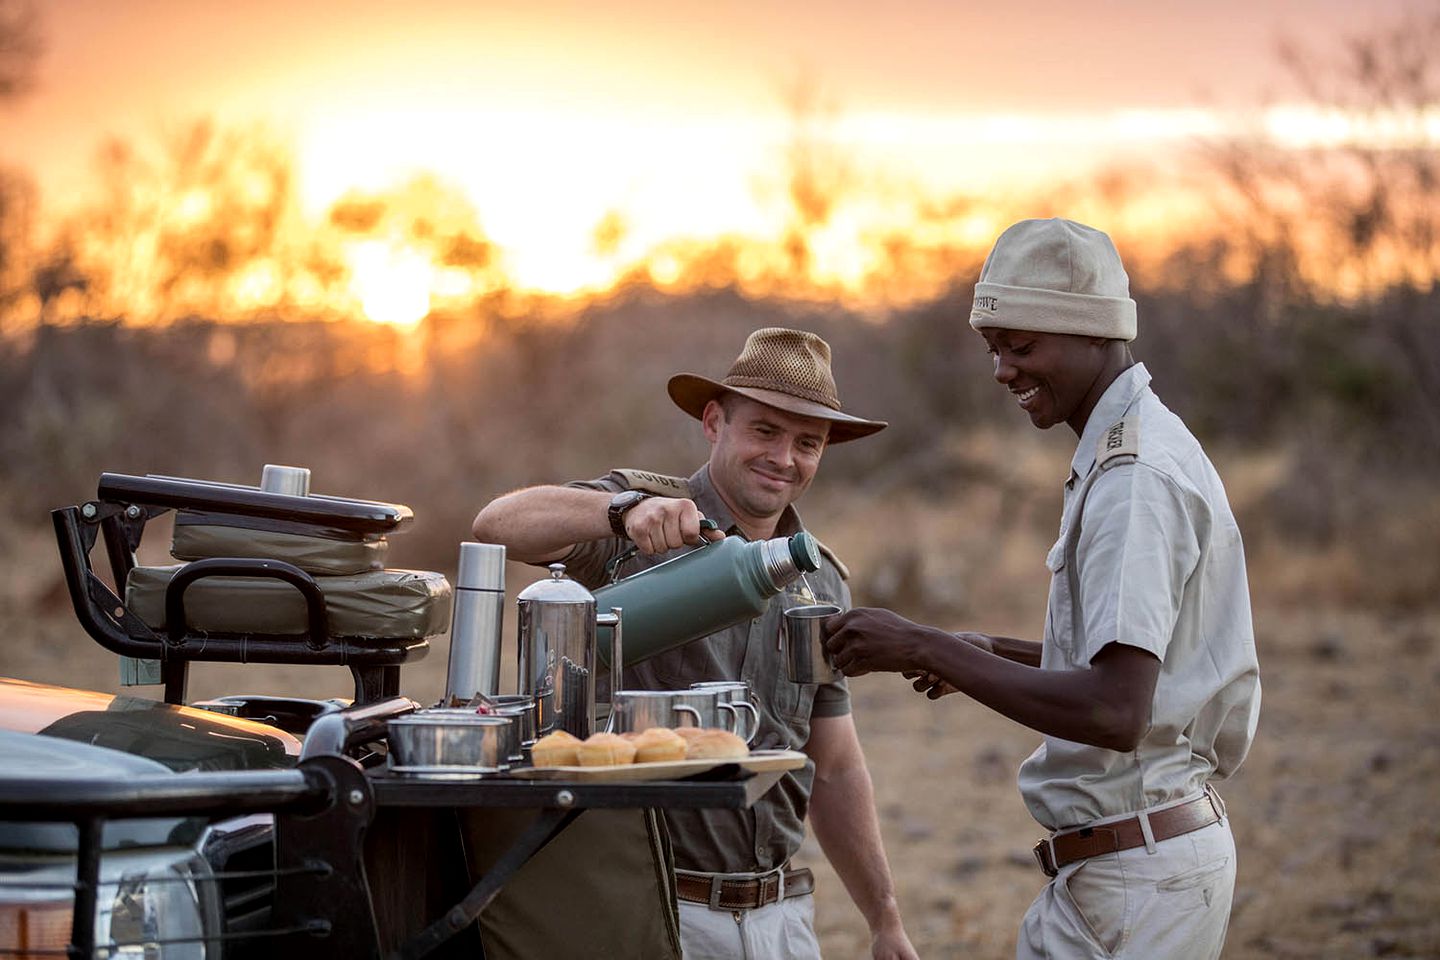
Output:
x=179 y=738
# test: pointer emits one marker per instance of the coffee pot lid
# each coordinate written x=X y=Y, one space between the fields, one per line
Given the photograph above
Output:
x=556 y=588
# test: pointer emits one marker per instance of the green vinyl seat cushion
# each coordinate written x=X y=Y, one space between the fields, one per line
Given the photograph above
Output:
x=375 y=604
x=317 y=551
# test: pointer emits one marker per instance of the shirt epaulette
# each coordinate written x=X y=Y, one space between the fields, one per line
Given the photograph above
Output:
x=657 y=483
x=835 y=561
x=1121 y=440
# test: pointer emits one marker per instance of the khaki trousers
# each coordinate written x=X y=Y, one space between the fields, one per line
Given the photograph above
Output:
x=778 y=931
x=1172 y=903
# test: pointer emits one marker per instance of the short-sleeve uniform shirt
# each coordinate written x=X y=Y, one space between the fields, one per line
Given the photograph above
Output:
x=767 y=834
x=1160 y=566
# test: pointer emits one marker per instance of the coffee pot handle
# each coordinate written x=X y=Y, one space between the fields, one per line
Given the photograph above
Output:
x=617 y=646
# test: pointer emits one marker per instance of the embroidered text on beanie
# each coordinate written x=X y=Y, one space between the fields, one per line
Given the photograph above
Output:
x=1055 y=276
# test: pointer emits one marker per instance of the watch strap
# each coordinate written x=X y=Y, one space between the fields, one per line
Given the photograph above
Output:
x=617 y=511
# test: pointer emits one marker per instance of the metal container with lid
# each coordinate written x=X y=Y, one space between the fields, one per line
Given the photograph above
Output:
x=474 y=666
x=557 y=652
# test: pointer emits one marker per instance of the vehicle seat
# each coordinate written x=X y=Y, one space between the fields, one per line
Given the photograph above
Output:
x=373 y=604
x=265 y=577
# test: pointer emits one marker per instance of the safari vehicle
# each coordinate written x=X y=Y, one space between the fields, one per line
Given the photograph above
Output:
x=250 y=826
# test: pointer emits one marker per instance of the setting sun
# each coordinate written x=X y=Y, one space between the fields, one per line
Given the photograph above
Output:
x=393 y=285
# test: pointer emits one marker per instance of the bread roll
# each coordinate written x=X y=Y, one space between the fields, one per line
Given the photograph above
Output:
x=558 y=749
x=659 y=744
x=606 y=750
x=689 y=732
x=716 y=745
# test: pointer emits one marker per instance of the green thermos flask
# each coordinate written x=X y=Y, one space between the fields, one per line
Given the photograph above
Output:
x=710 y=588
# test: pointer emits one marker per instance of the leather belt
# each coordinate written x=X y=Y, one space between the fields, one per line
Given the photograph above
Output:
x=742 y=891
x=1052 y=853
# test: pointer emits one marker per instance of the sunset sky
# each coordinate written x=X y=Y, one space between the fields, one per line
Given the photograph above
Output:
x=553 y=114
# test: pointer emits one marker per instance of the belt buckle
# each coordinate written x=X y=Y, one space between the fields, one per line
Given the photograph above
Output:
x=1045 y=856
x=718 y=881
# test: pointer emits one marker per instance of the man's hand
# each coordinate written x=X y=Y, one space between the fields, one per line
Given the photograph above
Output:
x=666 y=523
x=869 y=638
x=930 y=684
x=891 y=943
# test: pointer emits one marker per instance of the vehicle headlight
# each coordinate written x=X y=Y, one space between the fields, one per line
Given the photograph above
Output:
x=152 y=905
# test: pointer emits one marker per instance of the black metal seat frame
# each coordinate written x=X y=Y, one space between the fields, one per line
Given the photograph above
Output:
x=122 y=508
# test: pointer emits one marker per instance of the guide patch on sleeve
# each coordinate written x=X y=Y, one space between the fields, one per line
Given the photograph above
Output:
x=656 y=483
x=835 y=561
x=1121 y=440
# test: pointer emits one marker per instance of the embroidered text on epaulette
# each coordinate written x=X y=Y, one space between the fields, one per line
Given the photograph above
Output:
x=1121 y=440
x=657 y=483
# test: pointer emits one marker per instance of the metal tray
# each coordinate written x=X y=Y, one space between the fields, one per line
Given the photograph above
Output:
x=445 y=772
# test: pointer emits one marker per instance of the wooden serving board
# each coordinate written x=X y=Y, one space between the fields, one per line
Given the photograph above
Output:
x=759 y=761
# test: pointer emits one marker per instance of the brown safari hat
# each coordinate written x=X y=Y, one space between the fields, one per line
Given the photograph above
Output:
x=785 y=369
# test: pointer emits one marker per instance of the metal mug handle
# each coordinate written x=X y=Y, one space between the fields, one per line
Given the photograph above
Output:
x=733 y=708
x=683 y=708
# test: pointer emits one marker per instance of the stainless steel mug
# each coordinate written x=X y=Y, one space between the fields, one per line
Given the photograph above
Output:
x=637 y=710
x=732 y=699
x=806 y=659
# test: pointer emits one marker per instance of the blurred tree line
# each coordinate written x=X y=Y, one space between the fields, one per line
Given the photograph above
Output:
x=1249 y=338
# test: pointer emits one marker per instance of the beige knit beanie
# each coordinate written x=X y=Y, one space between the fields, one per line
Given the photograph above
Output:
x=1055 y=276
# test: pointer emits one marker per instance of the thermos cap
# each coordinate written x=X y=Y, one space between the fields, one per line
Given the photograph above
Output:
x=482 y=567
x=805 y=551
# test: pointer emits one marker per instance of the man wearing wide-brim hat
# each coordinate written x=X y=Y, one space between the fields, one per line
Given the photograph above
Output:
x=768 y=422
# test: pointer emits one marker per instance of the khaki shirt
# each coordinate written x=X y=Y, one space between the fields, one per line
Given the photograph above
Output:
x=1160 y=566
x=768 y=834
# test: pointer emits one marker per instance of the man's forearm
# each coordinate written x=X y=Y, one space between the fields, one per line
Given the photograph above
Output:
x=538 y=524
x=842 y=814
x=1087 y=706
x=1019 y=651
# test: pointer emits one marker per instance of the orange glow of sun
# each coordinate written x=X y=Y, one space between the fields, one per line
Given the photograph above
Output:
x=393 y=284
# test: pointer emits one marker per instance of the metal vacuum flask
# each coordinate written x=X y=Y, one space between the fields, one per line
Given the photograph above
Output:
x=709 y=588
x=474 y=665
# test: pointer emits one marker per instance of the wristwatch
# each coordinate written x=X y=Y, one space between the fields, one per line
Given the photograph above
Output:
x=621 y=504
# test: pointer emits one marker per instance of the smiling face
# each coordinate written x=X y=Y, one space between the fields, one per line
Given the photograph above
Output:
x=1054 y=377
x=761 y=459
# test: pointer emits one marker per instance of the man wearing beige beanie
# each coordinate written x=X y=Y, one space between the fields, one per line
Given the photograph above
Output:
x=1145 y=684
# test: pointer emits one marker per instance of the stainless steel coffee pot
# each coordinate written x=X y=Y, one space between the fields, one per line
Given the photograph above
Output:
x=557 y=652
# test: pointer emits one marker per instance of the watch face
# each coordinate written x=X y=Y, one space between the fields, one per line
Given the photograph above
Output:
x=619 y=504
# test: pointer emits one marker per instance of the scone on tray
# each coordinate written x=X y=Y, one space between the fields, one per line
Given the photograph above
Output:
x=606 y=750
x=714 y=744
x=658 y=745
x=557 y=749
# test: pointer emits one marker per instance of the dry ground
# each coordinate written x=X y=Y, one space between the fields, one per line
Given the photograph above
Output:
x=1333 y=811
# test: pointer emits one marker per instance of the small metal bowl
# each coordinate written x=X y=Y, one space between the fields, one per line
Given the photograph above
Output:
x=450 y=744
x=520 y=708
